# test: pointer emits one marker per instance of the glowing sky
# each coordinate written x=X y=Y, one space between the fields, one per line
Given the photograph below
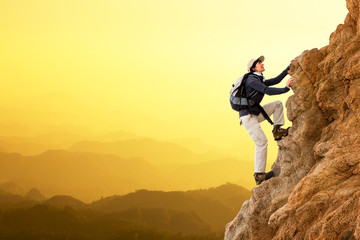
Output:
x=160 y=68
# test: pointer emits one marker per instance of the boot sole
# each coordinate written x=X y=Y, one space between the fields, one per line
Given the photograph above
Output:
x=284 y=135
x=267 y=177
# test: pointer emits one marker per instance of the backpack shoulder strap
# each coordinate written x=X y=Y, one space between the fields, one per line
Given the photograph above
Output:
x=266 y=116
x=241 y=88
x=257 y=76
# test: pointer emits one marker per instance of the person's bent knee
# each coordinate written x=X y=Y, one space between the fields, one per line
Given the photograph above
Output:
x=279 y=106
x=279 y=103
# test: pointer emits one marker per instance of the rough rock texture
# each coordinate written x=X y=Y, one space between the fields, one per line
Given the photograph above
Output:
x=316 y=194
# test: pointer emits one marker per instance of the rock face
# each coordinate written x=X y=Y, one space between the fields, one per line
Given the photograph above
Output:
x=316 y=194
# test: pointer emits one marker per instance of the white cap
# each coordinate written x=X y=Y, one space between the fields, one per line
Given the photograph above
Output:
x=251 y=62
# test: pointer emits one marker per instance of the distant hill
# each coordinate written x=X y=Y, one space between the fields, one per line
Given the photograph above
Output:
x=107 y=143
x=46 y=222
x=88 y=176
x=38 y=144
x=116 y=136
x=212 y=173
x=8 y=200
x=24 y=147
x=66 y=139
x=215 y=206
x=65 y=201
x=35 y=195
x=12 y=196
x=229 y=194
x=55 y=140
x=12 y=188
x=156 y=152
x=194 y=144
x=82 y=175
x=199 y=212
x=168 y=220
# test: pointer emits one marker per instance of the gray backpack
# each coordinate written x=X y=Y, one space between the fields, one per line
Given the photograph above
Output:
x=238 y=98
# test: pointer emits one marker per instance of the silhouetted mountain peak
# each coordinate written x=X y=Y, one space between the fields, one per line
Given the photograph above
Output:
x=35 y=195
x=61 y=201
x=55 y=152
x=117 y=136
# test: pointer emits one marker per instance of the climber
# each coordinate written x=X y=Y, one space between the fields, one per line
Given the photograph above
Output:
x=255 y=88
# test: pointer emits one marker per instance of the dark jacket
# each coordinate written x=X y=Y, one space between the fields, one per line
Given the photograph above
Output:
x=256 y=88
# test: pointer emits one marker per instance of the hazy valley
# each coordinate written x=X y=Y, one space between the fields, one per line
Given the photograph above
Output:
x=116 y=163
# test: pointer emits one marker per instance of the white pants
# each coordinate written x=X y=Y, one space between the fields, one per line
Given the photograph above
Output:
x=252 y=125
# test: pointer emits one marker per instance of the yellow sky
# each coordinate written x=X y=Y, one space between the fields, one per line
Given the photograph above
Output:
x=160 y=68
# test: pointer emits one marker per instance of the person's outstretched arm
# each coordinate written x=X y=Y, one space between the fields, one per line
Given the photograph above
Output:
x=277 y=79
x=259 y=86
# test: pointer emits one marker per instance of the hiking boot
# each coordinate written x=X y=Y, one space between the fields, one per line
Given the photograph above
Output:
x=279 y=132
x=260 y=177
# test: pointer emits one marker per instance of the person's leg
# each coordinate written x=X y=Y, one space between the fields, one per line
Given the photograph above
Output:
x=275 y=108
x=253 y=127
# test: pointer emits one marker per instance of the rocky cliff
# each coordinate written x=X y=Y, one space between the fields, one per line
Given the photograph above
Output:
x=316 y=194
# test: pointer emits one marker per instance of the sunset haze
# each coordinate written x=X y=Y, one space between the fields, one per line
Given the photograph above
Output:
x=159 y=70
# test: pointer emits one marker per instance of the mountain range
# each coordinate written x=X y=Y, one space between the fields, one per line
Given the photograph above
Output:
x=88 y=176
x=202 y=211
x=64 y=140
